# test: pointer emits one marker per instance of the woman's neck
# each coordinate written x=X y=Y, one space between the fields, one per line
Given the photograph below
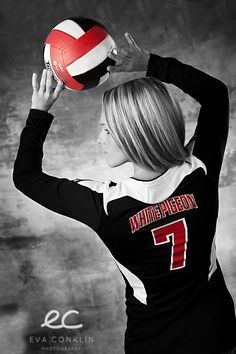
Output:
x=144 y=174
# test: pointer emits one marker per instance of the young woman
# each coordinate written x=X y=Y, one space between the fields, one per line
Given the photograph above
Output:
x=159 y=224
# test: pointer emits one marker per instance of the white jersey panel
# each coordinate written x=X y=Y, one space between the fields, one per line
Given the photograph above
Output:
x=213 y=265
x=154 y=191
x=136 y=284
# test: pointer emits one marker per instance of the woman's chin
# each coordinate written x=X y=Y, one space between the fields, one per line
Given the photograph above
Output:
x=113 y=164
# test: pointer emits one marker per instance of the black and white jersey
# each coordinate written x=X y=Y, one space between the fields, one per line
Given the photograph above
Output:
x=161 y=233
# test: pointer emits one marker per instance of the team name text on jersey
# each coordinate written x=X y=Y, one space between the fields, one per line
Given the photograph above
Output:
x=160 y=210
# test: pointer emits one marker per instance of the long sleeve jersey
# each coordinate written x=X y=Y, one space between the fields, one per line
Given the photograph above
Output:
x=161 y=233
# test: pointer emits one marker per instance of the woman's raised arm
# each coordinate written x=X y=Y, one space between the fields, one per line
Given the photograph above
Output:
x=213 y=120
x=61 y=195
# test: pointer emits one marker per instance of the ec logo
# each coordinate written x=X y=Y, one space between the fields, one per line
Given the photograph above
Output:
x=47 y=321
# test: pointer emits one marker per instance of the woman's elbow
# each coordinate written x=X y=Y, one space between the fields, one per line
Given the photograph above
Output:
x=16 y=180
x=222 y=90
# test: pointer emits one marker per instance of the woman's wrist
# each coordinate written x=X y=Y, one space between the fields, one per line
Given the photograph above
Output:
x=144 y=61
x=39 y=108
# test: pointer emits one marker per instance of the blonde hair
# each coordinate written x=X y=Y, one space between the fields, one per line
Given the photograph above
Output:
x=146 y=122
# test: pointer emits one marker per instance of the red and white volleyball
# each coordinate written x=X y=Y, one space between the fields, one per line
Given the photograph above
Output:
x=76 y=52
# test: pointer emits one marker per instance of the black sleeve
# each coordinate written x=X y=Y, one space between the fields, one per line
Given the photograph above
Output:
x=60 y=195
x=213 y=121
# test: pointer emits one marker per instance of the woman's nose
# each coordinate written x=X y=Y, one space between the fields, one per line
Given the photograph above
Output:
x=100 y=139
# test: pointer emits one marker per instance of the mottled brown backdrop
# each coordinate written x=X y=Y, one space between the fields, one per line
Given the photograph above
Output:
x=48 y=261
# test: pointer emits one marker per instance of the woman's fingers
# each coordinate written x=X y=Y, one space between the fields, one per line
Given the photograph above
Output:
x=122 y=53
x=115 y=68
x=35 y=82
x=117 y=57
x=131 y=41
x=49 y=82
x=44 y=96
x=43 y=81
x=120 y=56
x=46 y=84
x=130 y=59
x=59 y=88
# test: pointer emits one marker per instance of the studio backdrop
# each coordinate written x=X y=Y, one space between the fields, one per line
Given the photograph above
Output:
x=52 y=262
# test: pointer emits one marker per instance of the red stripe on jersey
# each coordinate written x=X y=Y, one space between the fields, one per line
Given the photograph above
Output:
x=60 y=69
x=59 y=39
x=177 y=233
x=84 y=44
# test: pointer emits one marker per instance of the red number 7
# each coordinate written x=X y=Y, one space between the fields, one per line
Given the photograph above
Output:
x=178 y=231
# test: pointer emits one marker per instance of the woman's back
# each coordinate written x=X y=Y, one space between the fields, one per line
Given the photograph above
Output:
x=160 y=232
x=161 y=235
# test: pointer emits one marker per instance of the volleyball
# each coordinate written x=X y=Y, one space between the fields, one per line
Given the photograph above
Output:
x=76 y=52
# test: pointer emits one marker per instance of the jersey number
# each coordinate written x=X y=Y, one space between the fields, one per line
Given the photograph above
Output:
x=178 y=232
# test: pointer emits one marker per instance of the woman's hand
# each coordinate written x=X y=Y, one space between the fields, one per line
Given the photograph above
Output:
x=131 y=59
x=44 y=95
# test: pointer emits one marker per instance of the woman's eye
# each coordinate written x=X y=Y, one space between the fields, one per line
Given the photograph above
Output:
x=106 y=130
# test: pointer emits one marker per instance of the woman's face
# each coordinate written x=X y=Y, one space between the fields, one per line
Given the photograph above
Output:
x=114 y=156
